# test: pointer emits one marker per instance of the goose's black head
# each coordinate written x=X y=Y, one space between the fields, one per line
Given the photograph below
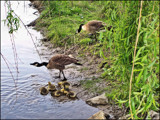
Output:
x=35 y=64
x=39 y=64
x=80 y=28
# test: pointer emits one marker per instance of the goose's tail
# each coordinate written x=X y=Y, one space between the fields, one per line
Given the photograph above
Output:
x=109 y=27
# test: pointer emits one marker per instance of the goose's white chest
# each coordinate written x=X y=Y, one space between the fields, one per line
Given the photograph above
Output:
x=84 y=27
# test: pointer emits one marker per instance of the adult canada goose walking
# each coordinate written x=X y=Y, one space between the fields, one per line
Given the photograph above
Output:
x=58 y=62
x=92 y=27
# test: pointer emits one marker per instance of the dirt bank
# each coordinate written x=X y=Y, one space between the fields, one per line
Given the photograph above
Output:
x=76 y=74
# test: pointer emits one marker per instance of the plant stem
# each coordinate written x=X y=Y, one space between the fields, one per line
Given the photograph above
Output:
x=130 y=89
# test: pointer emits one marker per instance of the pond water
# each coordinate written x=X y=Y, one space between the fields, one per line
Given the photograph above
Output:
x=25 y=101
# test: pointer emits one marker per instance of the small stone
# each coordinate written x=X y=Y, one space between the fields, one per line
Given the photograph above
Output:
x=124 y=117
x=154 y=115
x=98 y=115
x=98 y=100
x=58 y=49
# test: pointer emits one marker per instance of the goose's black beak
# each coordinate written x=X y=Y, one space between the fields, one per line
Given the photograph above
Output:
x=32 y=64
x=35 y=64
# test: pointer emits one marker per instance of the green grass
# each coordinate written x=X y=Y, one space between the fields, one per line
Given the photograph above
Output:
x=61 y=19
x=91 y=85
x=83 y=69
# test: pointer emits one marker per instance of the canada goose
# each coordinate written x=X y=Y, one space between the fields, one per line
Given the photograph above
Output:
x=64 y=85
x=57 y=93
x=92 y=27
x=51 y=87
x=43 y=91
x=60 y=84
x=53 y=93
x=58 y=62
x=65 y=92
x=71 y=94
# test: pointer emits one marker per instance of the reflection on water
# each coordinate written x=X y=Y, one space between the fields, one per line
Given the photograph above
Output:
x=25 y=101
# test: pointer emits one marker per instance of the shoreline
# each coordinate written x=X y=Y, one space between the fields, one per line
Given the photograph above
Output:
x=90 y=70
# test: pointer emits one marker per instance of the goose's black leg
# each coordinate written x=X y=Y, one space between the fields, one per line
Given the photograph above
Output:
x=95 y=37
x=91 y=35
x=59 y=74
x=63 y=76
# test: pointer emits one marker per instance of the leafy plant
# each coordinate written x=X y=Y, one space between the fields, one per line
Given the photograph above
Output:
x=11 y=20
x=145 y=80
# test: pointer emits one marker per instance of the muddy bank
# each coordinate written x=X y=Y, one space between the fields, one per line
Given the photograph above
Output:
x=56 y=38
x=76 y=74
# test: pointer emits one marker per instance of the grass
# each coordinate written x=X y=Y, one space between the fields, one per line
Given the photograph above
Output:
x=61 y=19
x=83 y=69
x=64 y=19
x=91 y=85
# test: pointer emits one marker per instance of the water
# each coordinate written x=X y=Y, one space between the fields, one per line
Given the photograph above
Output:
x=25 y=101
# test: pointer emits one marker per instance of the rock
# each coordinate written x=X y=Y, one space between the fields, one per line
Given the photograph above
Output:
x=76 y=84
x=36 y=4
x=58 y=48
x=98 y=115
x=44 y=39
x=154 y=115
x=124 y=117
x=98 y=100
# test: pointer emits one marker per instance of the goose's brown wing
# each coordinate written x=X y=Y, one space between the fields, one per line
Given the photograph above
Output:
x=95 y=25
x=63 y=60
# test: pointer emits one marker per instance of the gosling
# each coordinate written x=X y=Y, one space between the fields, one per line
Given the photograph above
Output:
x=64 y=85
x=71 y=95
x=51 y=87
x=58 y=62
x=57 y=93
x=43 y=91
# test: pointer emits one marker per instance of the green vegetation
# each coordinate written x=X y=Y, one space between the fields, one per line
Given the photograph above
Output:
x=61 y=19
x=11 y=20
x=94 y=85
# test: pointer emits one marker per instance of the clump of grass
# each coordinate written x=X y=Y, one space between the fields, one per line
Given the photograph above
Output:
x=85 y=41
x=145 y=80
x=91 y=85
x=62 y=18
x=83 y=69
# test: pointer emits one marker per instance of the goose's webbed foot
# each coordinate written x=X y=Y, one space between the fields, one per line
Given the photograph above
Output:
x=57 y=77
x=65 y=79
